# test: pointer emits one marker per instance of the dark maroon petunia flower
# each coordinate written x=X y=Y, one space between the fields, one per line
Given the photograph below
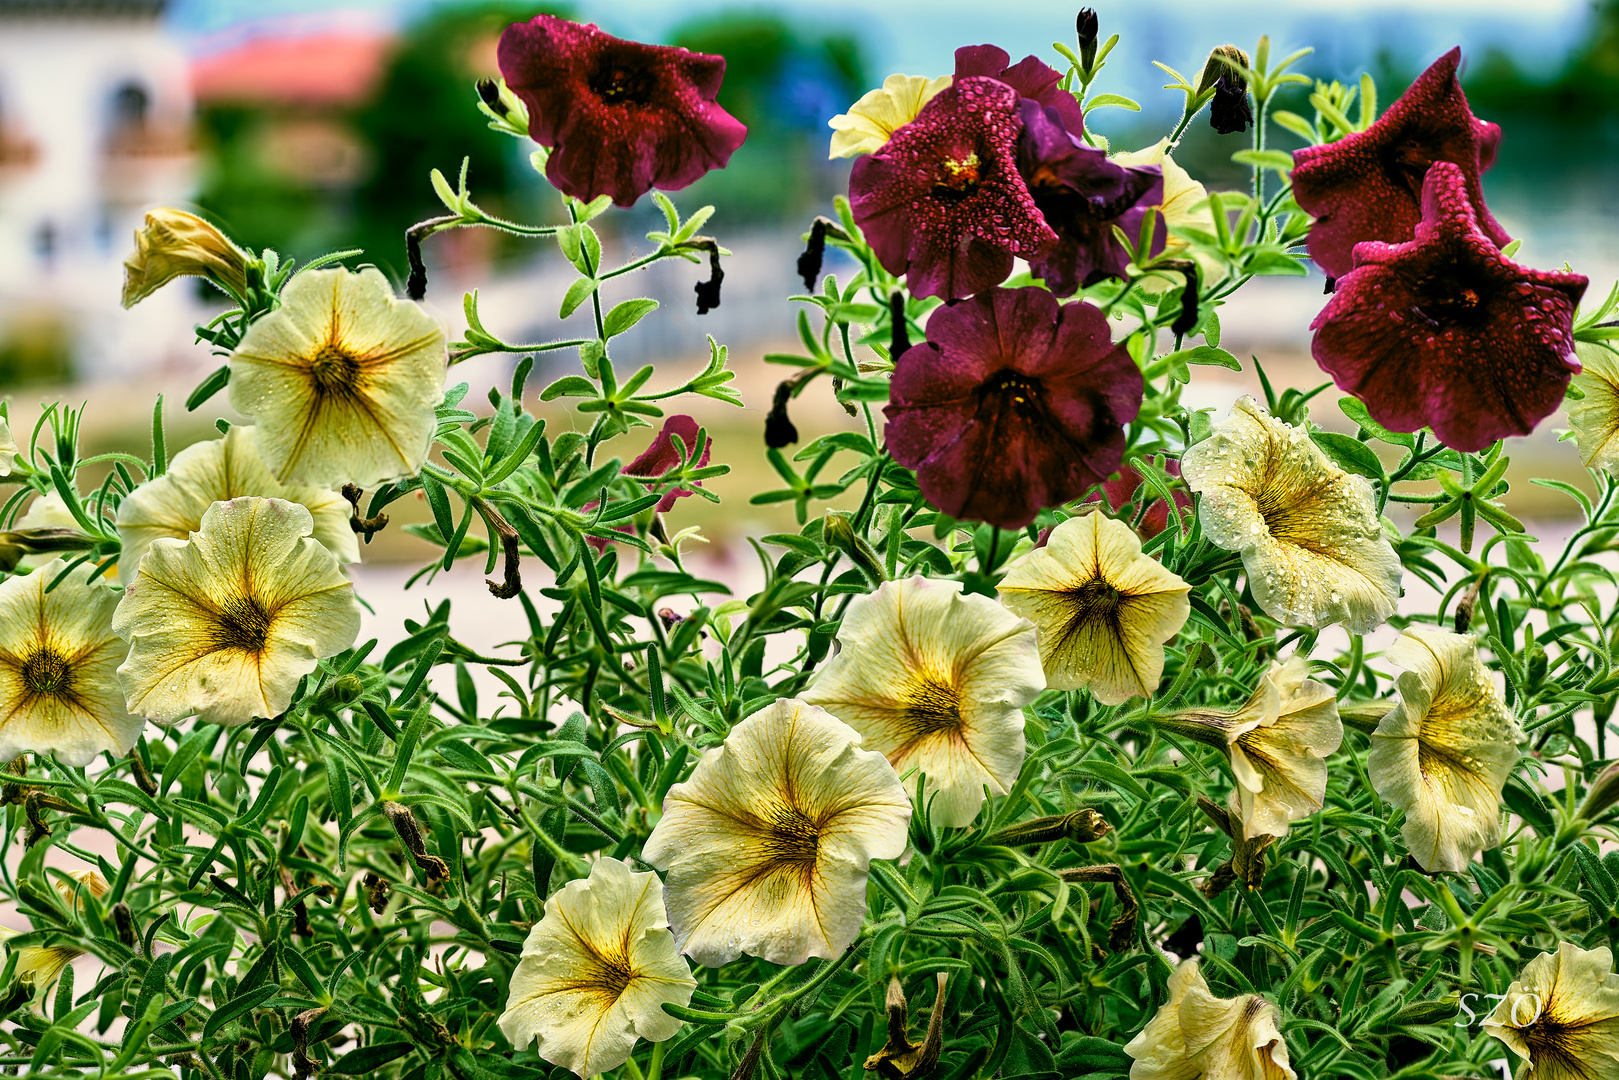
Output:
x=662 y=456
x=1447 y=332
x=942 y=201
x=620 y=117
x=1014 y=403
x=1368 y=186
x=1082 y=195
x=1117 y=494
x=1030 y=77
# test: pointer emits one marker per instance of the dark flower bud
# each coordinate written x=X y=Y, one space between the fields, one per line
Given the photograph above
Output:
x=900 y=1058
x=809 y=263
x=489 y=91
x=708 y=292
x=409 y=831
x=376 y=893
x=899 y=340
x=123 y=923
x=1087 y=26
x=1229 y=111
x=1189 y=295
x=779 y=429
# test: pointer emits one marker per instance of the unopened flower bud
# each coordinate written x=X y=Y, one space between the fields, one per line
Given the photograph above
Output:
x=839 y=533
x=1086 y=27
x=1601 y=795
x=174 y=244
x=342 y=691
x=123 y=923
x=1080 y=827
x=1229 y=111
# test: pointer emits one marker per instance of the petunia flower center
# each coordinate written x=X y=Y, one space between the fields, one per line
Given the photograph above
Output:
x=1451 y=298
x=46 y=672
x=1553 y=1044
x=622 y=81
x=1096 y=601
x=610 y=976
x=1022 y=392
x=932 y=707
x=958 y=178
x=334 y=371
x=242 y=624
x=793 y=838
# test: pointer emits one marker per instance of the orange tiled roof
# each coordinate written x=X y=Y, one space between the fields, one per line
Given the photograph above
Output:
x=332 y=68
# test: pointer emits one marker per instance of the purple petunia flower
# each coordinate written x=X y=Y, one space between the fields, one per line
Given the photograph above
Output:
x=620 y=117
x=942 y=201
x=1031 y=78
x=1447 y=332
x=1082 y=195
x=1014 y=403
x=1368 y=186
x=662 y=456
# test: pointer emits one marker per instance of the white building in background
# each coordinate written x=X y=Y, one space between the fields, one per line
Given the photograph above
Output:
x=95 y=128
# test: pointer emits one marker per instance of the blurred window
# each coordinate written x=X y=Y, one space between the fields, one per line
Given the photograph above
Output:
x=131 y=105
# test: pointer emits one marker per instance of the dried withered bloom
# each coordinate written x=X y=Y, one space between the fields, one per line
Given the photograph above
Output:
x=1446 y=332
x=872 y=121
x=768 y=841
x=1368 y=185
x=900 y=1058
x=596 y=971
x=1229 y=111
x=1444 y=752
x=1103 y=608
x=341 y=381
x=173 y=243
x=1560 y=1016
x=619 y=117
x=935 y=679
x=1308 y=532
x=223 y=625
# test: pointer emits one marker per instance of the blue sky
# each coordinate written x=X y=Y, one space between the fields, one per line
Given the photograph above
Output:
x=918 y=36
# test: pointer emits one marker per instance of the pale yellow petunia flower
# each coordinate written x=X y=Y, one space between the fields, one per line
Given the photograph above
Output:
x=341 y=381
x=768 y=842
x=1561 y=1016
x=1308 y=532
x=1103 y=608
x=1186 y=203
x=225 y=624
x=1595 y=417
x=59 y=658
x=173 y=243
x=8 y=449
x=215 y=471
x=1199 y=1035
x=596 y=971
x=936 y=680
x=866 y=127
x=1277 y=743
x=1444 y=752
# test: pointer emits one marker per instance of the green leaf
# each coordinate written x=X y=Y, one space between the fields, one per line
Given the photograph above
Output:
x=1280 y=160
x=577 y=294
x=1355 y=409
x=1268 y=262
x=1117 y=101
x=570 y=386
x=238 y=1007
x=627 y=314
x=369 y=1058
x=210 y=386
x=1349 y=454
x=1208 y=355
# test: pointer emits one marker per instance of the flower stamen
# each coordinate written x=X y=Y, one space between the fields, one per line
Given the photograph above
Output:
x=242 y=624
x=47 y=673
x=334 y=371
x=794 y=840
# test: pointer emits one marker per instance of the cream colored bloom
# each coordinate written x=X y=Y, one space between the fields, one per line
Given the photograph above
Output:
x=1277 y=743
x=49 y=511
x=1199 y=1035
x=341 y=380
x=1595 y=417
x=936 y=681
x=767 y=844
x=1186 y=203
x=1443 y=753
x=1308 y=532
x=1103 y=609
x=225 y=624
x=215 y=471
x=596 y=971
x=8 y=449
x=174 y=243
x=865 y=128
x=39 y=966
x=1561 y=1016
x=59 y=659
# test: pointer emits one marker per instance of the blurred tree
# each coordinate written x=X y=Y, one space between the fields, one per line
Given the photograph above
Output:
x=1586 y=86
